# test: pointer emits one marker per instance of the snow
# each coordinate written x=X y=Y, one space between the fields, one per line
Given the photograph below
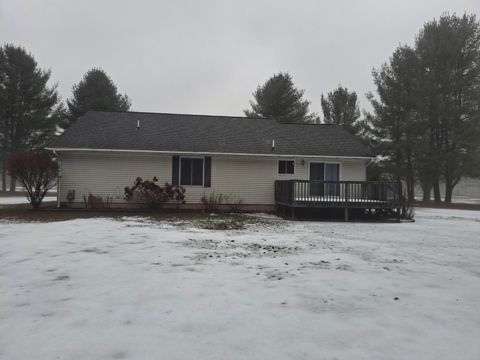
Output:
x=14 y=200
x=135 y=288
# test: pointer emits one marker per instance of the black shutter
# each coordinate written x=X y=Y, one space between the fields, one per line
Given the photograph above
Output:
x=208 y=172
x=175 y=169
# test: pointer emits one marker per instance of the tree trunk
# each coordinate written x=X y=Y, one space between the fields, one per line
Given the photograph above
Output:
x=410 y=177
x=35 y=204
x=426 y=193
x=425 y=184
x=437 y=197
x=448 y=193
x=449 y=186
x=410 y=191
x=4 y=173
x=4 y=166
x=13 y=184
x=410 y=186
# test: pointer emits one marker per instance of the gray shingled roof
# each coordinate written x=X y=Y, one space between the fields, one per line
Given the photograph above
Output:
x=202 y=133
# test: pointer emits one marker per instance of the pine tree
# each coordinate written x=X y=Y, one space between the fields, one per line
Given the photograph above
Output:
x=340 y=107
x=395 y=121
x=30 y=110
x=449 y=55
x=427 y=113
x=96 y=91
x=279 y=99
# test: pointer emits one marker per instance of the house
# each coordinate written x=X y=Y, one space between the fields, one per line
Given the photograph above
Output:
x=249 y=160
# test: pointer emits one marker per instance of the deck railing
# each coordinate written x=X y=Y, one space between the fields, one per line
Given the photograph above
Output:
x=306 y=193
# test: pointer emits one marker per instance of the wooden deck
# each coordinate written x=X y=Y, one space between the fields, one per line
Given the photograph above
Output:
x=291 y=194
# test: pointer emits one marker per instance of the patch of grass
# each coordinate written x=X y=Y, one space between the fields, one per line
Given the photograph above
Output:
x=49 y=213
x=226 y=224
x=230 y=221
x=22 y=213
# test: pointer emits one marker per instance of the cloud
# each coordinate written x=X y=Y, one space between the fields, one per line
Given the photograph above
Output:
x=209 y=56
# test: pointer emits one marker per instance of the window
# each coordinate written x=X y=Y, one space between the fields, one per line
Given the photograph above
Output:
x=286 y=166
x=191 y=171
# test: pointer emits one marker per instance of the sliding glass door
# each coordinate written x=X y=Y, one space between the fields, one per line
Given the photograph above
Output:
x=320 y=172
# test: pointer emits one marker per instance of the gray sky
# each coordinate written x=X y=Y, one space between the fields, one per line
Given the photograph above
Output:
x=208 y=56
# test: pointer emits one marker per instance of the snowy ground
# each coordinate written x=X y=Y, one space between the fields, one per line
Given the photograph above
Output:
x=14 y=200
x=134 y=288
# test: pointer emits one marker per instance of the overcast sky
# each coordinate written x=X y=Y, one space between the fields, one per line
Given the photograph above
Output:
x=208 y=56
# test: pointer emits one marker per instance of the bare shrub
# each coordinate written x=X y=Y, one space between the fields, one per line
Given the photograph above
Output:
x=97 y=202
x=234 y=205
x=70 y=196
x=212 y=202
x=37 y=172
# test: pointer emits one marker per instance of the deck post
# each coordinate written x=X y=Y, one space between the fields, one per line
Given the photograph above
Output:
x=398 y=214
x=346 y=213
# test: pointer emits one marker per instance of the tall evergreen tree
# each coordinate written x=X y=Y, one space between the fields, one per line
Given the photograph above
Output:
x=340 y=107
x=30 y=110
x=96 y=91
x=449 y=54
x=428 y=108
x=279 y=99
x=395 y=121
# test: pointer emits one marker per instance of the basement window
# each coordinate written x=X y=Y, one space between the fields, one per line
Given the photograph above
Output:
x=286 y=167
x=191 y=171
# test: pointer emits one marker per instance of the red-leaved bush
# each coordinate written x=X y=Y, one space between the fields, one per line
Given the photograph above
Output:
x=152 y=194
x=37 y=172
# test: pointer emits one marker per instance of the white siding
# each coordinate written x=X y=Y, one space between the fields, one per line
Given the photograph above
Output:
x=353 y=170
x=247 y=178
x=105 y=174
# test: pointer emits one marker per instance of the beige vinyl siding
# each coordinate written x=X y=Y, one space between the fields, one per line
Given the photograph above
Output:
x=250 y=179
x=107 y=174
x=353 y=170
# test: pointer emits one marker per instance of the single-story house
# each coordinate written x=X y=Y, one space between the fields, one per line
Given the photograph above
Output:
x=241 y=158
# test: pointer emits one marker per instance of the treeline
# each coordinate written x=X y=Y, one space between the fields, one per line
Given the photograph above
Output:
x=427 y=107
x=424 y=127
x=31 y=111
x=425 y=123
x=278 y=98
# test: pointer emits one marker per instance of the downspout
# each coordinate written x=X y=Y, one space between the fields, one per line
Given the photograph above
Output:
x=59 y=176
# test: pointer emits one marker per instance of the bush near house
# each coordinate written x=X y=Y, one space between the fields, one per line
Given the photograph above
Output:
x=37 y=172
x=97 y=202
x=212 y=202
x=234 y=204
x=152 y=194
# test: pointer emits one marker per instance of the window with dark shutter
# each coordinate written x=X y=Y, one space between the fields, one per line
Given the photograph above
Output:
x=286 y=167
x=208 y=172
x=191 y=171
x=175 y=170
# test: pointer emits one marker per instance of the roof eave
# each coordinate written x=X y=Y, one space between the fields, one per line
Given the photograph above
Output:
x=207 y=153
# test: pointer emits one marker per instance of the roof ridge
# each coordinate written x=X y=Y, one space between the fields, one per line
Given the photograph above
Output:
x=178 y=114
x=207 y=115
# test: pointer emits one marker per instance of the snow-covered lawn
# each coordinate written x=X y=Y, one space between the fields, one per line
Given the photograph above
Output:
x=135 y=288
x=19 y=199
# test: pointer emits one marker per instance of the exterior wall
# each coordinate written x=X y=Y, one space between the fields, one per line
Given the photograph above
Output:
x=250 y=179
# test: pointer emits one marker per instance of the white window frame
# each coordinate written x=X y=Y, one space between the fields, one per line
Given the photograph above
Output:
x=180 y=170
x=286 y=174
